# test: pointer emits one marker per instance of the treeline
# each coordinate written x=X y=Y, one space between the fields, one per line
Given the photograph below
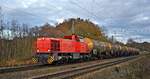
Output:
x=144 y=46
x=16 y=40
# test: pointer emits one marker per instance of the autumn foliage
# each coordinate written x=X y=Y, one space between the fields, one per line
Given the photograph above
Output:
x=84 y=28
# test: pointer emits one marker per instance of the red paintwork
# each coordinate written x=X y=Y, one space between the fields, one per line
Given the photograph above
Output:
x=43 y=45
x=70 y=44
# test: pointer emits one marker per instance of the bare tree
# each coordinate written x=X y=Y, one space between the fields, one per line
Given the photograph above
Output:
x=25 y=30
x=1 y=34
x=35 y=31
x=14 y=28
x=1 y=23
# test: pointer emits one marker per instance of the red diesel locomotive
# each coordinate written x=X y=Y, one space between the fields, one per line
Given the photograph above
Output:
x=49 y=50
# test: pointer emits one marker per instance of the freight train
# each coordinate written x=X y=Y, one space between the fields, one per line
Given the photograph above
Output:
x=70 y=48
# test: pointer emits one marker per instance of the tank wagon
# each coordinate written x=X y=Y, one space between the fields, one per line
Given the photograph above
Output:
x=50 y=50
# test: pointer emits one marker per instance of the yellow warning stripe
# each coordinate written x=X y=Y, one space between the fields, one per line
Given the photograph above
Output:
x=50 y=59
x=35 y=60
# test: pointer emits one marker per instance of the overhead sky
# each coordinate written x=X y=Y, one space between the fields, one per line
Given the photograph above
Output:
x=122 y=18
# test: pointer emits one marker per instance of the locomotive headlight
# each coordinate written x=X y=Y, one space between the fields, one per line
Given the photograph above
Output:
x=38 y=50
x=48 y=50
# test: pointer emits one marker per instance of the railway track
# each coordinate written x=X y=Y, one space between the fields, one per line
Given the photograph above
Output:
x=41 y=71
x=69 y=73
x=19 y=68
x=4 y=70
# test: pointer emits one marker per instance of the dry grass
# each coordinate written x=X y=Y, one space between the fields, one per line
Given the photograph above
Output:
x=139 y=69
x=14 y=62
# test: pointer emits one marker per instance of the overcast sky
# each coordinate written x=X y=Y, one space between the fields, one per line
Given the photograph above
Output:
x=122 y=18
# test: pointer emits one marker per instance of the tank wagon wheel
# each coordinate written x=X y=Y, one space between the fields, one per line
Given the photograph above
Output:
x=114 y=54
x=94 y=54
x=110 y=54
x=106 y=55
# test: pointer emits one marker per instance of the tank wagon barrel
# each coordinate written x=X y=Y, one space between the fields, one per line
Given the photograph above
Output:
x=105 y=49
